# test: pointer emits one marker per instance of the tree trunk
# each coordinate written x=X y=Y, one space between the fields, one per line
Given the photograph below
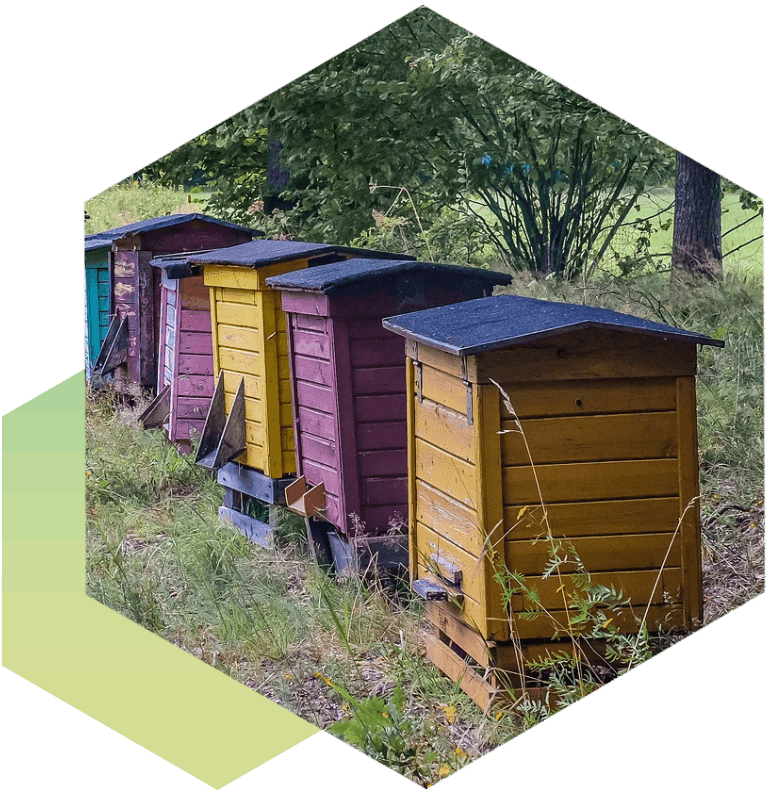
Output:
x=697 y=220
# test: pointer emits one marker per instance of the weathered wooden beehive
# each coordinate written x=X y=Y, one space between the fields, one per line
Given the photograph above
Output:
x=248 y=435
x=606 y=406
x=185 y=382
x=129 y=348
x=348 y=392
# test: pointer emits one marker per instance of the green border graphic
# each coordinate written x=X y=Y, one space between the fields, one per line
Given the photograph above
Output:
x=93 y=92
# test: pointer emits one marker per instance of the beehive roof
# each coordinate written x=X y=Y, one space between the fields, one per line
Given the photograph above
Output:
x=507 y=320
x=343 y=273
x=104 y=239
x=263 y=252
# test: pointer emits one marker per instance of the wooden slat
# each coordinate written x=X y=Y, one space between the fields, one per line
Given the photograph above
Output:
x=641 y=587
x=455 y=630
x=589 y=354
x=445 y=428
x=246 y=338
x=447 y=473
x=384 y=491
x=589 y=481
x=388 y=407
x=384 y=462
x=436 y=359
x=196 y=321
x=252 y=384
x=244 y=296
x=591 y=397
x=411 y=475
x=689 y=506
x=443 y=388
x=195 y=364
x=308 y=344
x=238 y=315
x=594 y=438
x=434 y=551
x=384 y=379
x=317 y=397
x=231 y=277
x=366 y=353
x=317 y=473
x=317 y=449
x=189 y=385
x=597 y=553
x=448 y=517
x=271 y=387
x=381 y=434
x=313 y=370
x=316 y=423
x=254 y=409
x=238 y=360
x=647 y=515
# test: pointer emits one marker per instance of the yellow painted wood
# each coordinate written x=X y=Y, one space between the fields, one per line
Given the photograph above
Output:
x=412 y=494
x=448 y=517
x=244 y=296
x=435 y=358
x=593 y=438
x=591 y=397
x=590 y=518
x=588 y=354
x=469 y=640
x=689 y=505
x=214 y=330
x=434 y=551
x=231 y=277
x=254 y=411
x=252 y=388
x=278 y=269
x=246 y=338
x=597 y=553
x=469 y=611
x=447 y=473
x=445 y=428
x=489 y=487
x=270 y=379
x=238 y=360
x=238 y=314
x=442 y=388
x=589 y=481
x=641 y=587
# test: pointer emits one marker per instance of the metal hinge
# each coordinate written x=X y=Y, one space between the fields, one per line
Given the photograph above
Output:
x=418 y=380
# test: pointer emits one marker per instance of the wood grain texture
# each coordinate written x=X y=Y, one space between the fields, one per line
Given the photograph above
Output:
x=447 y=473
x=445 y=428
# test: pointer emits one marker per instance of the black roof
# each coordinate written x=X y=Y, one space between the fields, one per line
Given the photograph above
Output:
x=342 y=273
x=507 y=320
x=262 y=252
x=105 y=238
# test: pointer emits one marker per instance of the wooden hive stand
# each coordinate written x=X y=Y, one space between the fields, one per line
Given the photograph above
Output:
x=517 y=404
x=348 y=387
x=248 y=435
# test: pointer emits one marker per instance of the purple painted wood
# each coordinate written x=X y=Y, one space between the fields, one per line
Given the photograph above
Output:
x=385 y=379
x=318 y=397
x=195 y=364
x=389 y=407
x=382 y=463
x=316 y=472
x=318 y=449
x=378 y=352
x=316 y=423
x=194 y=385
x=192 y=407
x=311 y=344
x=312 y=370
x=383 y=491
x=195 y=343
x=381 y=434
x=196 y=320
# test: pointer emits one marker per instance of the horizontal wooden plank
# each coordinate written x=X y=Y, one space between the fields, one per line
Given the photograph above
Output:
x=542 y=626
x=103 y=275
x=238 y=360
x=316 y=473
x=641 y=587
x=365 y=353
x=313 y=370
x=314 y=422
x=443 y=389
x=381 y=434
x=383 y=519
x=589 y=481
x=253 y=457
x=189 y=385
x=195 y=343
x=257 y=531
x=195 y=364
x=285 y=391
x=382 y=462
x=388 y=407
x=289 y=466
x=195 y=321
x=445 y=472
x=192 y=407
x=384 y=379
x=318 y=324
x=384 y=491
x=591 y=397
x=589 y=354
x=125 y=290
x=318 y=449
x=469 y=640
x=370 y=329
x=469 y=610
x=436 y=359
x=236 y=337
x=124 y=268
x=448 y=517
x=597 y=553
x=590 y=518
x=593 y=438
x=473 y=684
x=237 y=314
x=231 y=277
x=445 y=428
x=309 y=344
x=103 y=289
x=244 y=296
x=318 y=397
x=254 y=409
x=186 y=429
x=252 y=387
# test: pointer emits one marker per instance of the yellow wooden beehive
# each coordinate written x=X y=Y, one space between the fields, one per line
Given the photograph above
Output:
x=607 y=451
x=250 y=342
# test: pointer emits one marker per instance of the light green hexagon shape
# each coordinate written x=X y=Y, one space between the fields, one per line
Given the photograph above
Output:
x=100 y=662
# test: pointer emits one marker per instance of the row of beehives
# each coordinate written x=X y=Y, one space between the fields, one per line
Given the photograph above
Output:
x=372 y=392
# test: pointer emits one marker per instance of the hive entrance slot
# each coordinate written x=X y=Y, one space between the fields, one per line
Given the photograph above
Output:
x=303 y=499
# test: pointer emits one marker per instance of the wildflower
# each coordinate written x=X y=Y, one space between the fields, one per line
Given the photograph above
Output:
x=449 y=711
x=460 y=752
x=444 y=771
x=498 y=715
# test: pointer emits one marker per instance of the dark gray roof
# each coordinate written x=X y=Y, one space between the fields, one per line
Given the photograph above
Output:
x=507 y=320
x=175 y=266
x=262 y=252
x=105 y=238
x=342 y=273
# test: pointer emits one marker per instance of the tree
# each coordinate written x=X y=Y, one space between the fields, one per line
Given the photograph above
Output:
x=697 y=248
x=423 y=104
